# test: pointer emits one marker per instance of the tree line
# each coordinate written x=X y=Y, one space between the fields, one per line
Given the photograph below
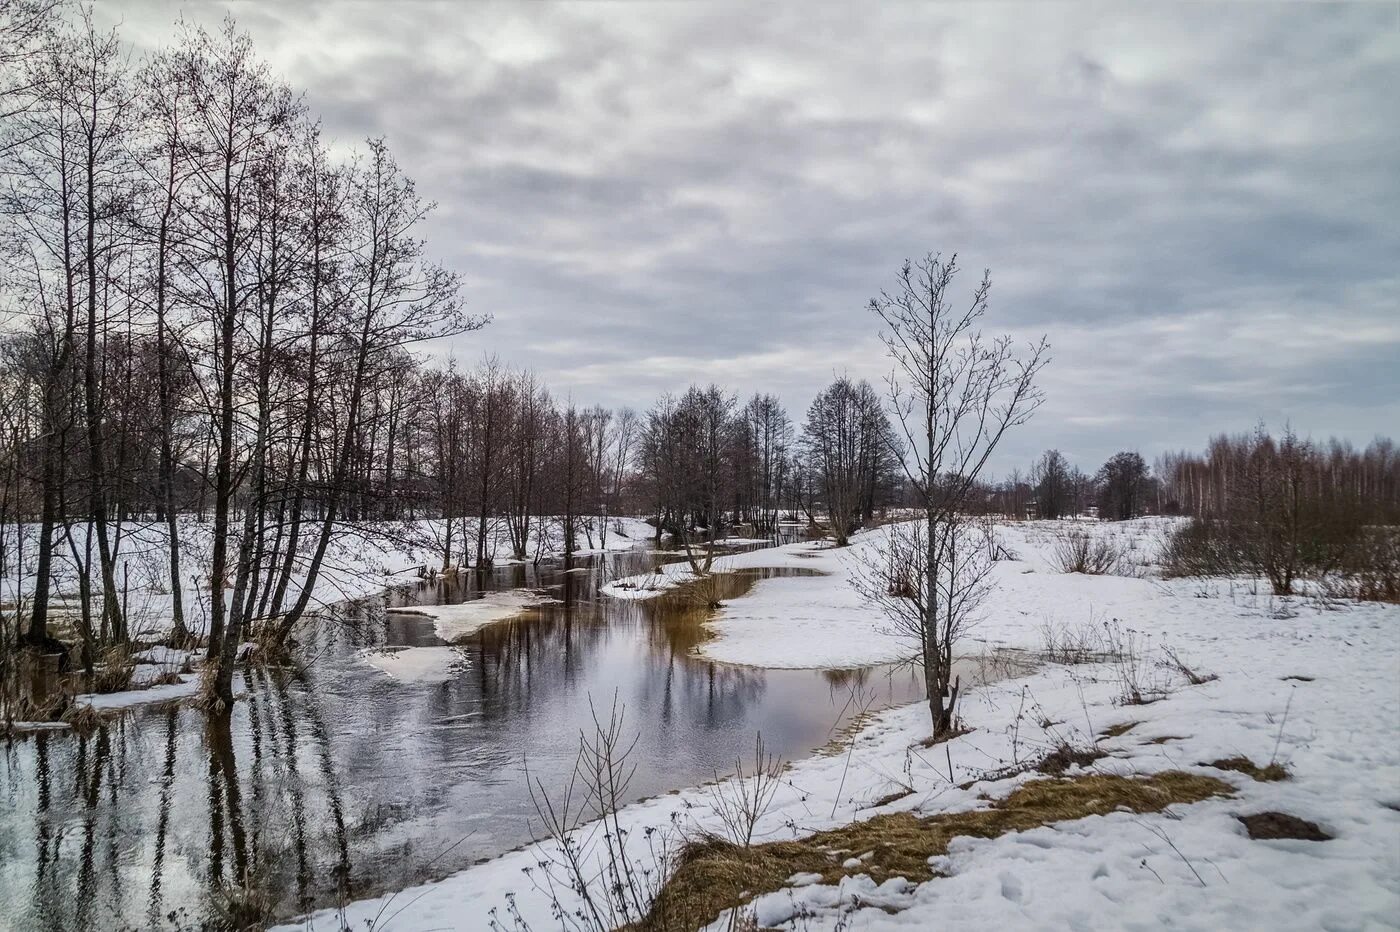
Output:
x=1288 y=509
x=1282 y=508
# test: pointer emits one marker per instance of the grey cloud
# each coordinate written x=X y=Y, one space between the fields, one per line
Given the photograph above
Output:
x=645 y=194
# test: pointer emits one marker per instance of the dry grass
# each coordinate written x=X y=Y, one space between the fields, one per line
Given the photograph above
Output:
x=708 y=591
x=1271 y=773
x=1065 y=756
x=245 y=907
x=1194 y=678
x=112 y=676
x=84 y=718
x=713 y=875
x=1117 y=731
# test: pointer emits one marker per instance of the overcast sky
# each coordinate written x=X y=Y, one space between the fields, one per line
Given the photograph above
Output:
x=1198 y=204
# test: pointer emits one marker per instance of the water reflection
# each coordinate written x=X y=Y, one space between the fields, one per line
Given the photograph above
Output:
x=336 y=781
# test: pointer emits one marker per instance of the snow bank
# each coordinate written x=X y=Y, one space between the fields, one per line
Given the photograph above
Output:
x=130 y=698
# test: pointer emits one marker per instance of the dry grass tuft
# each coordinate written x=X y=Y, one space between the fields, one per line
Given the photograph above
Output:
x=113 y=670
x=713 y=875
x=1066 y=756
x=83 y=717
x=1116 y=731
x=244 y=907
x=1270 y=773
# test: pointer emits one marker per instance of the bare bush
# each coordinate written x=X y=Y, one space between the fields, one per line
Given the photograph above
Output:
x=1192 y=676
x=1139 y=681
x=707 y=591
x=593 y=882
x=1092 y=555
x=740 y=802
x=592 y=878
x=1070 y=646
x=1376 y=565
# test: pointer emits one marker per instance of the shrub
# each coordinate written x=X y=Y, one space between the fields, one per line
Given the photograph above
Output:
x=1376 y=565
x=1082 y=552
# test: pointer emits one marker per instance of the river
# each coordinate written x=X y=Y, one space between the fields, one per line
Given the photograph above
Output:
x=334 y=781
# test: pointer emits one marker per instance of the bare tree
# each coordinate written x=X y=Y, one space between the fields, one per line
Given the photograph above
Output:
x=768 y=435
x=396 y=298
x=26 y=26
x=687 y=462
x=621 y=441
x=1052 y=480
x=847 y=440
x=954 y=394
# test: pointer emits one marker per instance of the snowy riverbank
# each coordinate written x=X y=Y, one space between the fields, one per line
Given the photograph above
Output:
x=360 y=561
x=1315 y=687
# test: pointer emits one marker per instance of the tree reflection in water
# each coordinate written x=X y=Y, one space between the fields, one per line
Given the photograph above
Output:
x=160 y=818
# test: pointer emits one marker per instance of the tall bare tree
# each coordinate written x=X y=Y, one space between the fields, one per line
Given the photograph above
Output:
x=396 y=298
x=954 y=394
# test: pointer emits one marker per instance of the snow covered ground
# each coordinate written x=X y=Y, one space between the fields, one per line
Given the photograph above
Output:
x=1313 y=686
x=789 y=621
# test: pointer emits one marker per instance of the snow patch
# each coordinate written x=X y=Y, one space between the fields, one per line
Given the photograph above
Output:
x=454 y=622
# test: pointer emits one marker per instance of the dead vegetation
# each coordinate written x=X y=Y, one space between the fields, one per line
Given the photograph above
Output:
x=1067 y=756
x=1092 y=555
x=1075 y=645
x=713 y=875
x=1192 y=676
x=113 y=671
x=1271 y=825
x=1269 y=773
x=739 y=803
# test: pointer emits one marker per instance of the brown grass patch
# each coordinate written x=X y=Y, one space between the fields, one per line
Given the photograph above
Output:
x=840 y=740
x=1116 y=731
x=713 y=875
x=1267 y=825
x=1270 y=773
x=1065 y=756
x=113 y=671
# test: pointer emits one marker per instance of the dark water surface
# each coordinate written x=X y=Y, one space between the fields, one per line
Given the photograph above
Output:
x=338 y=781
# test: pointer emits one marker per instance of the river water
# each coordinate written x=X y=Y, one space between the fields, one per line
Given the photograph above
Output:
x=336 y=781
